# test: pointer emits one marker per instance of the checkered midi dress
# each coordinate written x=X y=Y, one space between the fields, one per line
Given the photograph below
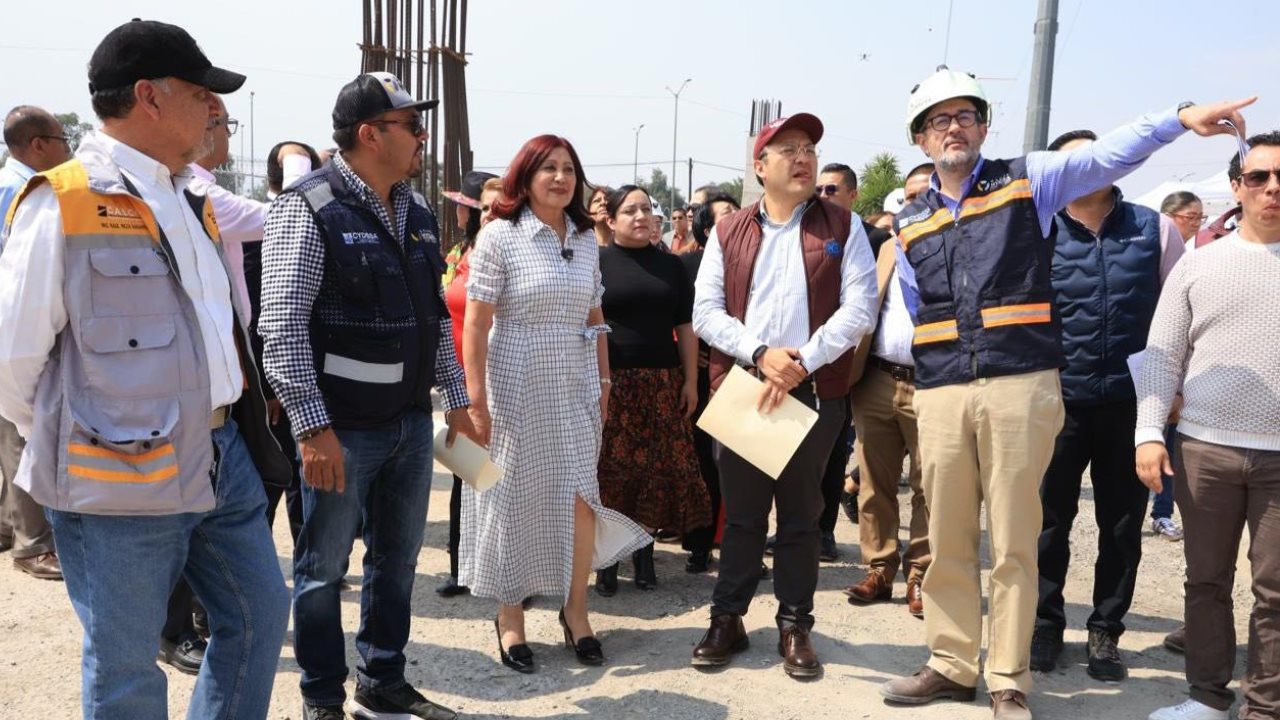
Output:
x=544 y=392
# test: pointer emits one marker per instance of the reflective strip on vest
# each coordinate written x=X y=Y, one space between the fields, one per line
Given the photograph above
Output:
x=1016 y=315
x=909 y=234
x=319 y=196
x=935 y=332
x=1016 y=190
x=360 y=371
x=92 y=462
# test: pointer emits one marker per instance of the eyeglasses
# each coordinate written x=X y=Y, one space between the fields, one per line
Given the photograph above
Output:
x=231 y=124
x=414 y=124
x=942 y=121
x=63 y=138
x=1255 y=179
x=826 y=190
x=791 y=152
x=1192 y=217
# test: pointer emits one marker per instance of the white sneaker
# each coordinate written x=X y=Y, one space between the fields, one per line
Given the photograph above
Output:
x=1189 y=710
x=1167 y=529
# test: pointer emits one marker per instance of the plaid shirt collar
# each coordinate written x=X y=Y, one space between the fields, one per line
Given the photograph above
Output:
x=401 y=197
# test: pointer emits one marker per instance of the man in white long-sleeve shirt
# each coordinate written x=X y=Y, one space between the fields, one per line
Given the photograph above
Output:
x=787 y=287
x=1216 y=337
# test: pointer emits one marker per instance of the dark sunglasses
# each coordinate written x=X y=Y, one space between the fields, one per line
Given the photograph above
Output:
x=826 y=190
x=1255 y=179
x=414 y=124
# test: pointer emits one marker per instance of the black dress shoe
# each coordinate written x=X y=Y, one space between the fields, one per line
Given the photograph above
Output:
x=645 y=573
x=588 y=649
x=828 y=551
x=185 y=655
x=607 y=581
x=769 y=544
x=450 y=588
x=849 y=503
x=517 y=657
x=699 y=562
x=723 y=639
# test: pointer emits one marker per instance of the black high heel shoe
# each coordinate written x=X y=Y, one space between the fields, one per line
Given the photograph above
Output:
x=588 y=649
x=645 y=573
x=517 y=657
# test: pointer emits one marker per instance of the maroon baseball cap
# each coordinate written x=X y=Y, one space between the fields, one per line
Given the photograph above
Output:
x=810 y=124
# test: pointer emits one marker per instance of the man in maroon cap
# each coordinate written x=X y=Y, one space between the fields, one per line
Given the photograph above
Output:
x=785 y=288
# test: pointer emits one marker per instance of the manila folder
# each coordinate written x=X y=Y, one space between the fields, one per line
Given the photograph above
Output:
x=765 y=440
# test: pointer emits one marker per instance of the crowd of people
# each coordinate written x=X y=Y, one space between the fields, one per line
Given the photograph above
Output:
x=176 y=360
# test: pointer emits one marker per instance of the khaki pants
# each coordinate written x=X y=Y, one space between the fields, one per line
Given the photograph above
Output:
x=885 y=422
x=20 y=517
x=988 y=440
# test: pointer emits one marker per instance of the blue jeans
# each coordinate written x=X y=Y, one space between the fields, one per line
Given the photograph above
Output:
x=388 y=484
x=119 y=571
x=1162 y=507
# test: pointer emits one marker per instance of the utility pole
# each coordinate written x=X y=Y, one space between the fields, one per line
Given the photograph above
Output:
x=635 y=163
x=253 y=177
x=675 y=130
x=1036 y=135
x=689 y=198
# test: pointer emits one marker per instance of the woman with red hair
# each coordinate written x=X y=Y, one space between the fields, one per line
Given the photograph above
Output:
x=537 y=371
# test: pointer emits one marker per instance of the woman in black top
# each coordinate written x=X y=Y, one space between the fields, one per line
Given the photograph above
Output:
x=648 y=469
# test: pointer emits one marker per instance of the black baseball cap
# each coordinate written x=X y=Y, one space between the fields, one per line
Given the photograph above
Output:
x=148 y=50
x=371 y=95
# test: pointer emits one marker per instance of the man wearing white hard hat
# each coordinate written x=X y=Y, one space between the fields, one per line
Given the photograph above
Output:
x=975 y=252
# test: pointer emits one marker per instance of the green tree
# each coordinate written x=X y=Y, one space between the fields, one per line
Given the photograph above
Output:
x=659 y=189
x=878 y=178
x=734 y=188
x=74 y=129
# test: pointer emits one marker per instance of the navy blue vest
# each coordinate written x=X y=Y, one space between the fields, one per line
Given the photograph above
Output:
x=375 y=325
x=1106 y=288
x=986 y=300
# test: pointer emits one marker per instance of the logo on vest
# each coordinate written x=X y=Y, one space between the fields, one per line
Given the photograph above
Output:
x=422 y=237
x=110 y=211
x=359 y=238
x=832 y=248
x=994 y=183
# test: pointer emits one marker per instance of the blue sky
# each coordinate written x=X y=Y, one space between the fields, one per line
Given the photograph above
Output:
x=593 y=71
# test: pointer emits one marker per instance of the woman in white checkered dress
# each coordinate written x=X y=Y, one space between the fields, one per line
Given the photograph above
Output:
x=535 y=280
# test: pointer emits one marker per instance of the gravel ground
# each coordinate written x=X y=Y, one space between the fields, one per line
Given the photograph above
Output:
x=648 y=637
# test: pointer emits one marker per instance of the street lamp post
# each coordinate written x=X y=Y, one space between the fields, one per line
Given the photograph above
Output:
x=253 y=177
x=675 y=129
x=635 y=163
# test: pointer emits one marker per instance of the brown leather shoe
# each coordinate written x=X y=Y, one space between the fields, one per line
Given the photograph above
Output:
x=915 y=598
x=925 y=686
x=44 y=566
x=723 y=639
x=799 y=659
x=873 y=587
x=1010 y=705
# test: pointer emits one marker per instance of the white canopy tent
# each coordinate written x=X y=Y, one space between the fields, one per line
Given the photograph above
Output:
x=1214 y=192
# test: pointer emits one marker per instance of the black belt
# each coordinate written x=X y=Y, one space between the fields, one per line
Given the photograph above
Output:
x=901 y=373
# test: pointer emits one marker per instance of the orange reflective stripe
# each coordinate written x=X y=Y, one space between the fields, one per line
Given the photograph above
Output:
x=935 y=332
x=914 y=231
x=101 y=452
x=1016 y=315
x=122 y=476
x=1016 y=190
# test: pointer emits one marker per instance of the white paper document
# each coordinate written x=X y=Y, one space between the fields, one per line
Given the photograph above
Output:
x=467 y=460
x=765 y=440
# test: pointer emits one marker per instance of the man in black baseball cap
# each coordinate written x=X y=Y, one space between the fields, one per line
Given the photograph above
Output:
x=167 y=467
x=149 y=50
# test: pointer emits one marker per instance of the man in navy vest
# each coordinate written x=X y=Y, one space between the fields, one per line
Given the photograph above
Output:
x=1109 y=263
x=355 y=334
x=975 y=254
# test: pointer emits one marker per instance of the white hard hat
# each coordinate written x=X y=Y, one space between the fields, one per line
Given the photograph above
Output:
x=657 y=207
x=945 y=84
x=895 y=200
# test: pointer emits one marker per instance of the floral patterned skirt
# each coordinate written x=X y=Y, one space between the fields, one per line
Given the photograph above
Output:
x=648 y=468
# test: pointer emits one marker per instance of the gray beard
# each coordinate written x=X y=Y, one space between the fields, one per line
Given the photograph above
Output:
x=958 y=160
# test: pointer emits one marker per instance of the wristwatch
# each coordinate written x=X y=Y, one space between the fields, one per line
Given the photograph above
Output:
x=1183 y=106
x=755 y=356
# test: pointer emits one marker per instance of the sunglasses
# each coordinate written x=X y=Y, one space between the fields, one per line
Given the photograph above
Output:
x=414 y=124
x=826 y=190
x=1255 y=179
